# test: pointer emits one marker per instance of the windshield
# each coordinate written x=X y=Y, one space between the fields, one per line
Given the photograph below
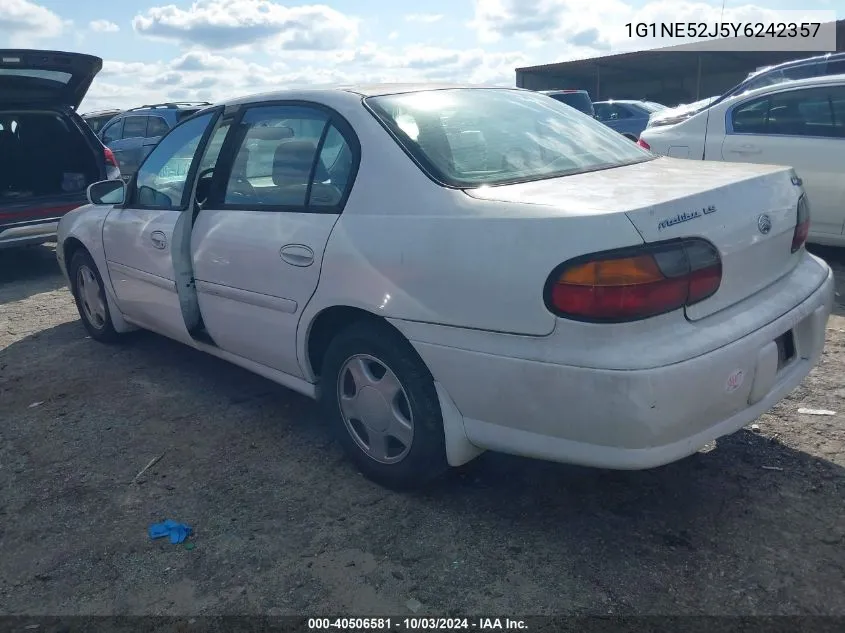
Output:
x=486 y=136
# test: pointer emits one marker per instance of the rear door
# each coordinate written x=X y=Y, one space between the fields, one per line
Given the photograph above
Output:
x=801 y=128
x=145 y=240
x=48 y=78
x=257 y=244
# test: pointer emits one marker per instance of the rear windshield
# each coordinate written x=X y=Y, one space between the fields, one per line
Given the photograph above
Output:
x=33 y=73
x=485 y=136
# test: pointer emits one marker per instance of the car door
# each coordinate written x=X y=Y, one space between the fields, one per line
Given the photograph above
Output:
x=148 y=266
x=798 y=128
x=257 y=244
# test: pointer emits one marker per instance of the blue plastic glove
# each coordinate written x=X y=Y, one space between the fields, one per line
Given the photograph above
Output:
x=177 y=532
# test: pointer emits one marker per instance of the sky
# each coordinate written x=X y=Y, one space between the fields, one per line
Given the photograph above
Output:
x=209 y=50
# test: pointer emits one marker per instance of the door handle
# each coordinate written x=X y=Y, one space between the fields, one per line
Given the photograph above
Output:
x=746 y=149
x=159 y=240
x=297 y=255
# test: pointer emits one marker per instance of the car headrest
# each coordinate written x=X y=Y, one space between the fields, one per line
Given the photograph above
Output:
x=292 y=163
x=270 y=133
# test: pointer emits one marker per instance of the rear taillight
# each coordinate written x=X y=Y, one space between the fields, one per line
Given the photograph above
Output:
x=108 y=155
x=643 y=144
x=634 y=283
x=802 y=224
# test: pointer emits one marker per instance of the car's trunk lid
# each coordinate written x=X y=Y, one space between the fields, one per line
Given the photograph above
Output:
x=45 y=78
x=669 y=198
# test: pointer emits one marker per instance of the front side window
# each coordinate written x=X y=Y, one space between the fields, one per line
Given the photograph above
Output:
x=280 y=161
x=162 y=178
x=488 y=136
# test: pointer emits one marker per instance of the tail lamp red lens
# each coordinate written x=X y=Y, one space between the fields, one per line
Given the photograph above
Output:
x=802 y=224
x=108 y=155
x=636 y=283
x=643 y=144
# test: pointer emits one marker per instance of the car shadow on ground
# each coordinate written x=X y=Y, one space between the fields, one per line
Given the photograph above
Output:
x=28 y=271
x=753 y=526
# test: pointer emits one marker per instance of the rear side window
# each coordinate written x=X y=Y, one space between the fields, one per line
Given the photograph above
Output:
x=811 y=112
x=134 y=127
x=156 y=127
x=290 y=157
x=113 y=133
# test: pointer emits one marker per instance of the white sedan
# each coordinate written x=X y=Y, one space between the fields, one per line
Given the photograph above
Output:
x=455 y=269
x=796 y=123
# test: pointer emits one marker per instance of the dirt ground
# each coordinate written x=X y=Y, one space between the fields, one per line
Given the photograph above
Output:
x=285 y=525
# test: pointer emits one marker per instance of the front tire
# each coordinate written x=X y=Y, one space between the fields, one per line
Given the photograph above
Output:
x=382 y=405
x=90 y=296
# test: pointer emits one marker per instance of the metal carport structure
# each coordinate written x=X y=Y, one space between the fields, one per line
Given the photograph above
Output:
x=671 y=75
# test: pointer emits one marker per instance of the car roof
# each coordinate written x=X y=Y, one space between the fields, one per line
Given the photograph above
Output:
x=101 y=112
x=790 y=84
x=354 y=91
x=792 y=63
x=561 y=91
x=627 y=101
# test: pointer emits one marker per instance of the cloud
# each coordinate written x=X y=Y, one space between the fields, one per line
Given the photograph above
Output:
x=230 y=24
x=23 y=21
x=103 y=26
x=202 y=75
x=425 y=18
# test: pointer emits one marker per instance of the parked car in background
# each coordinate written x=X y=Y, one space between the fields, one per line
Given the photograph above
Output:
x=437 y=307
x=97 y=119
x=133 y=133
x=627 y=117
x=818 y=66
x=578 y=99
x=48 y=155
x=795 y=123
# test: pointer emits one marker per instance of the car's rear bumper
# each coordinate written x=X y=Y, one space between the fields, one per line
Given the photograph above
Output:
x=27 y=233
x=629 y=419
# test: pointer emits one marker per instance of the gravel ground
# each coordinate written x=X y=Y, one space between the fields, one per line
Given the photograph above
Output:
x=284 y=525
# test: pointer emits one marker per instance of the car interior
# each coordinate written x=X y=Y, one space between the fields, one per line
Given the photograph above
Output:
x=42 y=154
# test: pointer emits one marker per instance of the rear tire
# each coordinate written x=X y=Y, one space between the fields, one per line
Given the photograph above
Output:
x=89 y=293
x=382 y=405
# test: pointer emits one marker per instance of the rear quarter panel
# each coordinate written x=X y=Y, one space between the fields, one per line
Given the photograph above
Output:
x=406 y=248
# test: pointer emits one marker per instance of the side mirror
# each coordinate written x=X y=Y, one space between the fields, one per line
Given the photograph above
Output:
x=107 y=192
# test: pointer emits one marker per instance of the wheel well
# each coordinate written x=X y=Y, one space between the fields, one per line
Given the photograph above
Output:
x=630 y=136
x=327 y=324
x=70 y=247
